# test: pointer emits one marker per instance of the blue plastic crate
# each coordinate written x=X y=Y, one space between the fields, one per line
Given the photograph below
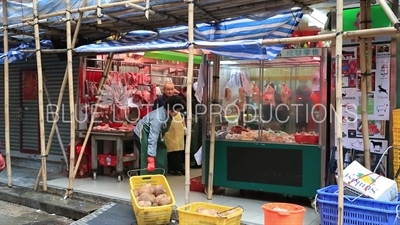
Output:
x=362 y=211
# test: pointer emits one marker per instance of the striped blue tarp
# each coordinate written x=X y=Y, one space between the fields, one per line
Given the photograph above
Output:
x=239 y=37
x=15 y=55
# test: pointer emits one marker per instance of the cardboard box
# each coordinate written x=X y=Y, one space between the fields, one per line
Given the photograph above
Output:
x=361 y=181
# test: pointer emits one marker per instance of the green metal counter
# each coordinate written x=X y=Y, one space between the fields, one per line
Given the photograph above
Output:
x=289 y=169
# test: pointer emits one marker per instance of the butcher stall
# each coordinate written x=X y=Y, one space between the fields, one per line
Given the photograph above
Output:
x=131 y=87
x=271 y=131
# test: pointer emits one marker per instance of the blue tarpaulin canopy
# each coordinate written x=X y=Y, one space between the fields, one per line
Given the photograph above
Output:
x=15 y=55
x=18 y=10
x=239 y=37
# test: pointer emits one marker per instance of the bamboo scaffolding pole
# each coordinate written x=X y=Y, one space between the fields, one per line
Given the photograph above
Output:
x=364 y=84
x=99 y=15
x=20 y=25
x=53 y=117
x=85 y=26
x=153 y=7
x=46 y=51
x=71 y=97
x=54 y=31
x=215 y=95
x=248 y=9
x=339 y=123
x=368 y=25
x=147 y=12
x=390 y=14
x=99 y=89
x=42 y=133
x=189 y=99
x=331 y=36
x=205 y=12
x=157 y=15
x=6 y=96
x=82 y=9
x=60 y=97
x=367 y=149
x=222 y=6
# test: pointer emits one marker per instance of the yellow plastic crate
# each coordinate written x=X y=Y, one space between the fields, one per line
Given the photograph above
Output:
x=396 y=136
x=396 y=118
x=151 y=215
x=396 y=158
x=188 y=216
x=396 y=162
x=398 y=183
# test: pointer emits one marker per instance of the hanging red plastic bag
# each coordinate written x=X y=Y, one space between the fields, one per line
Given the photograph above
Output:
x=2 y=163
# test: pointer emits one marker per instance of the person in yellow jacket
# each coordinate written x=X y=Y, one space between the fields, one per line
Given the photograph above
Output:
x=174 y=140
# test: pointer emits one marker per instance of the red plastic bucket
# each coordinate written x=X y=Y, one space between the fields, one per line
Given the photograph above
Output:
x=283 y=214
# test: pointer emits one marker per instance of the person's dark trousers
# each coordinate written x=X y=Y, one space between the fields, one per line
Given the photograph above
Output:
x=175 y=163
x=136 y=141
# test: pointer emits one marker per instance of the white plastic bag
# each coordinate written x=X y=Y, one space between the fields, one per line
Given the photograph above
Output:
x=198 y=156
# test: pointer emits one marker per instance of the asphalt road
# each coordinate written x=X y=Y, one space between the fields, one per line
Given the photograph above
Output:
x=12 y=214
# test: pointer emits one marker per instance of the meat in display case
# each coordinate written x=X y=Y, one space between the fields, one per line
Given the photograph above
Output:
x=278 y=101
x=273 y=122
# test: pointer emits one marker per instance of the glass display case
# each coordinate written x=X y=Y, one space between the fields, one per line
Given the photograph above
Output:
x=280 y=101
x=273 y=121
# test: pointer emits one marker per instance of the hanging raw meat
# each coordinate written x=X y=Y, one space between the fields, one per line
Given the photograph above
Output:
x=108 y=81
x=85 y=108
x=255 y=92
x=285 y=94
x=130 y=90
x=153 y=92
x=137 y=96
x=228 y=94
x=121 y=113
x=92 y=89
x=114 y=77
x=236 y=80
x=146 y=79
x=242 y=99
x=133 y=79
x=245 y=82
x=269 y=95
x=124 y=79
x=232 y=87
x=103 y=112
x=146 y=96
x=140 y=78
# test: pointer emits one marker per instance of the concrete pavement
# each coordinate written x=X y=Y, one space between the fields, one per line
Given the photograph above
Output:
x=13 y=214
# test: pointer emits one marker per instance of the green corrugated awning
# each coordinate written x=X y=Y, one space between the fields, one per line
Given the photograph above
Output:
x=378 y=17
x=173 y=56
